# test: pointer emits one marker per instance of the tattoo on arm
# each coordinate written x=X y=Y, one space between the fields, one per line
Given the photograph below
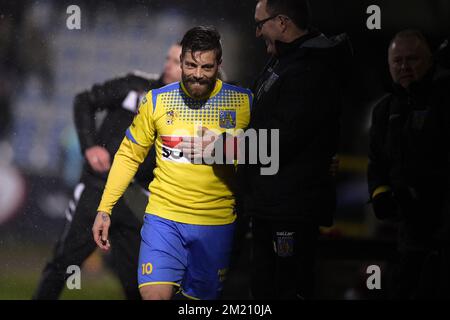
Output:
x=105 y=217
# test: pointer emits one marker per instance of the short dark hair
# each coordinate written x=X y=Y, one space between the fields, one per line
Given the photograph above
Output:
x=298 y=10
x=202 y=38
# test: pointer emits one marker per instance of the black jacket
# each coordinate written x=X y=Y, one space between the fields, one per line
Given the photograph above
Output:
x=299 y=93
x=442 y=56
x=409 y=151
x=120 y=99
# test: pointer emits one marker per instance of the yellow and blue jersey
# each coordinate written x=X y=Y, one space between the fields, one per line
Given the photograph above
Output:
x=181 y=191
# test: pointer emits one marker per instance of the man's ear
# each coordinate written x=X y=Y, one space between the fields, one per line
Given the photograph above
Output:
x=284 y=22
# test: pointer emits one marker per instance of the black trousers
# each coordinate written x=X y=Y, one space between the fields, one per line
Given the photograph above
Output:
x=283 y=259
x=76 y=243
x=421 y=274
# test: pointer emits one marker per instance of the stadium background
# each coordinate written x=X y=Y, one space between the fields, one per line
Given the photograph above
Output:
x=43 y=65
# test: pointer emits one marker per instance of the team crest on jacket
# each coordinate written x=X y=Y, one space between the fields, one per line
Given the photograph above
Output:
x=227 y=119
x=418 y=119
x=284 y=246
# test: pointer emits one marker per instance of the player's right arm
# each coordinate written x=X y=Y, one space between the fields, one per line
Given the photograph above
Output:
x=132 y=152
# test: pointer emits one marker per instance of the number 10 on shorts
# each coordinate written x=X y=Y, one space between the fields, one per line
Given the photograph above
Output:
x=147 y=268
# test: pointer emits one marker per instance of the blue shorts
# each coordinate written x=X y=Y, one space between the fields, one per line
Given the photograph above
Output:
x=193 y=257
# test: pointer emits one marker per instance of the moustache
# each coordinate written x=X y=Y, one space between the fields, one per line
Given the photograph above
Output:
x=203 y=81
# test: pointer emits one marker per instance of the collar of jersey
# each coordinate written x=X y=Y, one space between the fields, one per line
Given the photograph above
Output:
x=216 y=90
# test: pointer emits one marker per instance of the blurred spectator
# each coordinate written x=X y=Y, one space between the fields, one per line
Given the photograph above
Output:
x=10 y=19
x=35 y=54
x=23 y=50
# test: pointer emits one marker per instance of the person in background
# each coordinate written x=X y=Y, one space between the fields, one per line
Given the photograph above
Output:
x=409 y=167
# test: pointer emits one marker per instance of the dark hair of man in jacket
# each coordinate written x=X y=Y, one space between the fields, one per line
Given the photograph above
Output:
x=298 y=10
x=283 y=22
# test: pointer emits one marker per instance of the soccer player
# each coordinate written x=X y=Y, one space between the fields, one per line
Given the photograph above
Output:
x=120 y=98
x=188 y=229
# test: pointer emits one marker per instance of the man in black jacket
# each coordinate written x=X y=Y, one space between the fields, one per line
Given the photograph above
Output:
x=120 y=98
x=298 y=93
x=408 y=171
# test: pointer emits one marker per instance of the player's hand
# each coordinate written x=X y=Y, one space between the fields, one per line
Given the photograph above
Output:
x=334 y=166
x=196 y=149
x=98 y=158
x=100 y=230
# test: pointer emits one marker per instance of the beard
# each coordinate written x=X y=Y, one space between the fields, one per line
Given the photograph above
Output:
x=198 y=89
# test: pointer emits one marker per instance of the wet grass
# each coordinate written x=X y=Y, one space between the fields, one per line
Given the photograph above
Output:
x=20 y=268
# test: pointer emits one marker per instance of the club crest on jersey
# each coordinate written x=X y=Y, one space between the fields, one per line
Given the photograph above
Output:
x=170 y=116
x=227 y=119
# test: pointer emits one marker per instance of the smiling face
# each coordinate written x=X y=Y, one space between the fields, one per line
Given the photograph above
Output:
x=270 y=30
x=199 y=72
x=409 y=60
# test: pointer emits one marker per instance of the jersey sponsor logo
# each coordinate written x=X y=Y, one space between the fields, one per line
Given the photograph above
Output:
x=170 y=152
x=227 y=119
